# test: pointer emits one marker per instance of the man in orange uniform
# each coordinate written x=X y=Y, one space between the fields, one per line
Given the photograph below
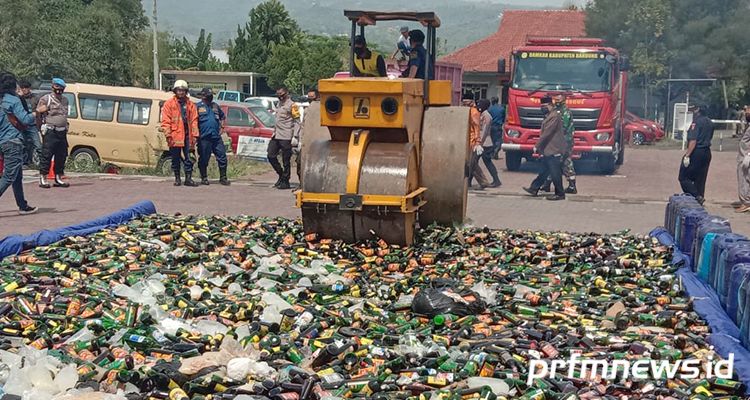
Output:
x=179 y=122
x=475 y=140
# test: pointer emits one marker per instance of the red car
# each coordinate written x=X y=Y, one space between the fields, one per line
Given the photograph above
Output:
x=250 y=128
x=639 y=131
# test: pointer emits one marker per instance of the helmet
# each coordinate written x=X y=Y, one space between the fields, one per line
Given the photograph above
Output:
x=206 y=92
x=180 y=84
x=58 y=82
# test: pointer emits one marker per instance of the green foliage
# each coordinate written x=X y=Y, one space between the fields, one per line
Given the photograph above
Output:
x=269 y=26
x=89 y=41
x=198 y=57
x=300 y=65
x=690 y=38
x=142 y=61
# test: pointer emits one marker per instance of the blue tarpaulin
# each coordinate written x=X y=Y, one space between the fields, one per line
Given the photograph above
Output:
x=17 y=243
x=724 y=333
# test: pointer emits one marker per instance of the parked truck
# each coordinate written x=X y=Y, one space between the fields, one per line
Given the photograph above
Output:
x=593 y=77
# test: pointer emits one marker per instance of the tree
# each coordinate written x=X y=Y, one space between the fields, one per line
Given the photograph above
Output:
x=90 y=41
x=143 y=57
x=269 y=26
x=245 y=53
x=687 y=38
x=197 y=57
x=300 y=65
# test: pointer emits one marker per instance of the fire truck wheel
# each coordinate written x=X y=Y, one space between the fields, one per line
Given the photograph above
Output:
x=513 y=160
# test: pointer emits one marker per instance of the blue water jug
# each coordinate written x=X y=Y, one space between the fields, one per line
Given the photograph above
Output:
x=689 y=220
x=736 y=256
x=721 y=243
x=711 y=224
x=679 y=208
x=739 y=283
x=669 y=211
x=704 y=255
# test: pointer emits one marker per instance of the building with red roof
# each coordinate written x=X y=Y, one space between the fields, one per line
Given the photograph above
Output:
x=487 y=62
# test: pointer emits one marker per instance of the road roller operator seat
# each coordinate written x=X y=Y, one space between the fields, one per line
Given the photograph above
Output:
x=383 y=154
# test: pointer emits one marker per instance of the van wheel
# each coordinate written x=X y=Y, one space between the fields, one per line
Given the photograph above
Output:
x=164 y=166
x=85 y=159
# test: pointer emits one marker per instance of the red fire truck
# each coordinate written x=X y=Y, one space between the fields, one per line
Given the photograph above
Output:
x=594 y=78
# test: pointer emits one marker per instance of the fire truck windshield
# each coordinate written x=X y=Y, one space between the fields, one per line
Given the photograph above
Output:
x=585 y=72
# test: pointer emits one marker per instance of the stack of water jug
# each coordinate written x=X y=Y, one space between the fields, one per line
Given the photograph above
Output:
x=719 y=257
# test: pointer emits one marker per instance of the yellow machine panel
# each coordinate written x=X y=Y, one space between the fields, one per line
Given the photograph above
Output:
x=370 y=102
x=441 y=93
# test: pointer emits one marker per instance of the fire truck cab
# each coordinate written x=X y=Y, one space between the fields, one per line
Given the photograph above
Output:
x=593 y=77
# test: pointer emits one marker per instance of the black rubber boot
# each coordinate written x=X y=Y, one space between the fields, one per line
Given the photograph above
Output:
x=189 y=180
x=223 y=177
x=571 y=188
x=43 y=182
x=204 y=177
x=177 y=180
x=60 y=183
x=284 y=185
x=547 y=187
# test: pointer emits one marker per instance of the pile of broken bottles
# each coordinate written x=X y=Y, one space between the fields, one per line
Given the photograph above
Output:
x=191 y=307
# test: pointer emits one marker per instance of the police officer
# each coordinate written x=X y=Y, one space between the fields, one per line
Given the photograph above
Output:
x=287 y=123
x=697 y=158
x=417 y=57
x=211 y=125
x=568 y=170
x=367 y=62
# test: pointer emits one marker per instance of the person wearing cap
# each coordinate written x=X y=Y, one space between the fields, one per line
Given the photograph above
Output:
x=287 y=125
x=367 y=62
x=551 y=146
x=53 y=109
x=417 y=56
x=403 y=46
x=14 y=119
x=179 y=123
x=211 y=126
x=475 y=142
x=697 y=158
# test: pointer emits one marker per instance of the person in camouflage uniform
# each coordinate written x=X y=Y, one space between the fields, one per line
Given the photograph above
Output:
x=569 y=171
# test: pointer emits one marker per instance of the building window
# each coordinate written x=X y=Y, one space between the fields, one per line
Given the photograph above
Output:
x=478 y=90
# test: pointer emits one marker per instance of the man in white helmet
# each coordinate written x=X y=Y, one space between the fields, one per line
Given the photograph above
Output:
x=179 y=123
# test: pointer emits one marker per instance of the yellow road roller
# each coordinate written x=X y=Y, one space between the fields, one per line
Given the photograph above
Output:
x=381 y=155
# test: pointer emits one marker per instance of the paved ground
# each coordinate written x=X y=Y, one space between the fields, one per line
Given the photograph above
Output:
x=633 y=199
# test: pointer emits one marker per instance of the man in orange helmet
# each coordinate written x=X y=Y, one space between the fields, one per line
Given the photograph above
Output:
x=179 y=123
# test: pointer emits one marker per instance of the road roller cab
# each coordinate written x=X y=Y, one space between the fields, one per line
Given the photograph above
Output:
x=381 y=154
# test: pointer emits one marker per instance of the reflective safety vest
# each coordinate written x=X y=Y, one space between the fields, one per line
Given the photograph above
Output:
x=368 y=66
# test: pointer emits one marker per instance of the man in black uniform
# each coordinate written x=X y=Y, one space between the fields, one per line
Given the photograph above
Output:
x=697 y=158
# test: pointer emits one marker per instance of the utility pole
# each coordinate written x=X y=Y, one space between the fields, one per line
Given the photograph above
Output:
x=157 y=84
